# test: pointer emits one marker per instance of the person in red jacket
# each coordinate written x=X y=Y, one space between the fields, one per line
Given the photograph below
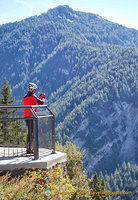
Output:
x=29 y=100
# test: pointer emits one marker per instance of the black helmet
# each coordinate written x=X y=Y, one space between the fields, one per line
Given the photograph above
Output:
x=32 y=86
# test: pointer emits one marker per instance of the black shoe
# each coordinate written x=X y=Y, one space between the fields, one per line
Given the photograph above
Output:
x=30 y=152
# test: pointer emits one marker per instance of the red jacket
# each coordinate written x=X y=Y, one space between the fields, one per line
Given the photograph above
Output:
x=29 y=100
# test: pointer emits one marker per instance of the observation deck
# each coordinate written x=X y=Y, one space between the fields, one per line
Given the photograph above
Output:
x=13 y=138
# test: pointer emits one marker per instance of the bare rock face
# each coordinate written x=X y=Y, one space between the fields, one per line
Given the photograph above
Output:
x=109 y=136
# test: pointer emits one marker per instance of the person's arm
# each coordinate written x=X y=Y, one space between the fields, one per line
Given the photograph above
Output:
x=42 y=96
x=40 y=100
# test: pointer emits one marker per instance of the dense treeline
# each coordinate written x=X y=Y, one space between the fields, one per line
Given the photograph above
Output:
x=11 y=131
x=97 y=81
x=124 y=179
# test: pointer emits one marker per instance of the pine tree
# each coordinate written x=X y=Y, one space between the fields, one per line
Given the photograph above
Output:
x=123 y=179
x=6 y=96
x=8 y=127
x=75 y=170
x=97 y=188
x=5 y=99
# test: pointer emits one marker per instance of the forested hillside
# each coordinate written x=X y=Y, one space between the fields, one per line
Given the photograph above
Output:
x=88 y=67
x=124 y=179
x=29 y=47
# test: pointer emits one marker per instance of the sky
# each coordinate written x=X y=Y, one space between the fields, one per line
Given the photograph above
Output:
x=123 y=12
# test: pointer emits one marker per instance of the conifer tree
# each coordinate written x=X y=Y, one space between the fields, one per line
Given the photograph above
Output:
x=75 y=170
x=6 y=96
x=7 y=127
x=5 y=99
x=97 y=188
x=124 y=178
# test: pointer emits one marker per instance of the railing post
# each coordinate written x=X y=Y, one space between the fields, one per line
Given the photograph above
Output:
x=53 y=134
x=36 y=152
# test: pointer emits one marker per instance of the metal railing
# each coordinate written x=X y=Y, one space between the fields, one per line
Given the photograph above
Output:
x=14 y=137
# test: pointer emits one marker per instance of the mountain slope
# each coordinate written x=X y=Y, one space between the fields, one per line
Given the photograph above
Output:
x=97 y=109
x=88 y=68
x=26 y=45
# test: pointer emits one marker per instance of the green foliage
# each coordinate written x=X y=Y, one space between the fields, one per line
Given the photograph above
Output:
x=108 y=74
x=6 y=96
x=75 y=169
x=78 y=175
x=32 y=185
x=11 y=130
x=97 y=188
x=70 y=185
x=74 y=158
x=124 y=179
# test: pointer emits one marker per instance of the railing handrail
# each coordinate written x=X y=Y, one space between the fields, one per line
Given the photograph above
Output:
x=2 y=106
x=22 y=106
